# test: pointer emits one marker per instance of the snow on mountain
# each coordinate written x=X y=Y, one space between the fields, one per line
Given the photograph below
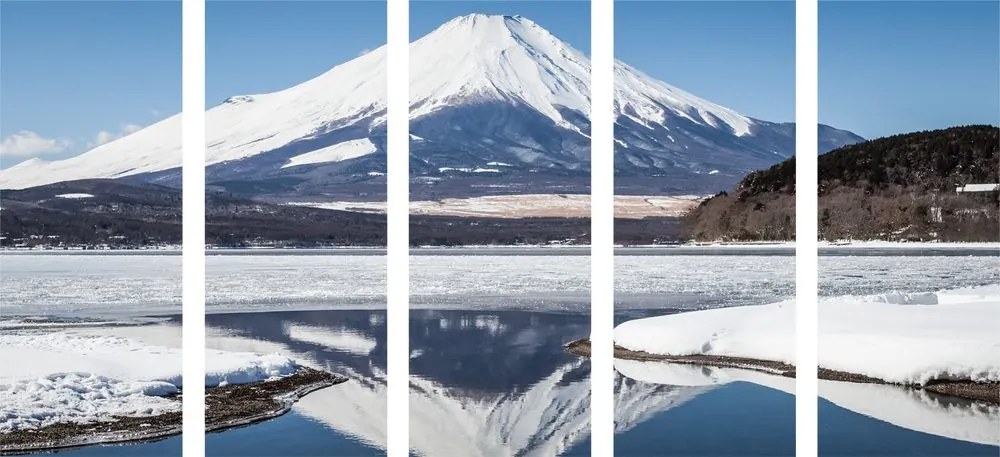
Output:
x=484 y=89
x=154 y=148
x=641 y=98
x=336 y=153
x=500 y=58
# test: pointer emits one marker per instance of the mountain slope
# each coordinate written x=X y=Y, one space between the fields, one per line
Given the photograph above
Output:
x=498 y=105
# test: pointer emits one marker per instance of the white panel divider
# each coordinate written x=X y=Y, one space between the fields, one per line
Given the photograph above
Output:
x=398 y=236
x=602 y=277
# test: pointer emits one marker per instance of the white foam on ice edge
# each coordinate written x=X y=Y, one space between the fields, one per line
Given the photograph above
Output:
x=881 y=244
x=897 y=337
x=82 y=377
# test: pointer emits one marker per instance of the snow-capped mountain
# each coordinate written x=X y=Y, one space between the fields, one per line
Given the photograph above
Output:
x=498 y=105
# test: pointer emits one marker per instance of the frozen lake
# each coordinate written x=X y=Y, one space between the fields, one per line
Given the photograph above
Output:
x=106 y=285
x=289 y=282
x=868 y=275
x=487 y=328
x=552 y=278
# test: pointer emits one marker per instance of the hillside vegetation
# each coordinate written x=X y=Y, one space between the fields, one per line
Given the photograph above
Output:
x=895 y=188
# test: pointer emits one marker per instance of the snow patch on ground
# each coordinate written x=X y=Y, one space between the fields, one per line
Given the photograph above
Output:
x=79 y=398
x=225 y=368
x=82 y=376
x=897 y=337
x=526 y=205
x=75 y=196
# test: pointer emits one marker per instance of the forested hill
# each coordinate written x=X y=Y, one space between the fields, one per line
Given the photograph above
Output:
x=898 y=187
x=934 y=160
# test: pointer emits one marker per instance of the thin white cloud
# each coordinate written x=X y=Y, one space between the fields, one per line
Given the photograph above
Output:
x=364 y=51
x=26 y=144
x=106 y=137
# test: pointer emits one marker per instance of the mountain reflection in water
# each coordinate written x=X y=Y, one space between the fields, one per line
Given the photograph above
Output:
x=488 y=383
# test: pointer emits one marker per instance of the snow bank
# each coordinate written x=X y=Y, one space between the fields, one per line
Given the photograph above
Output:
x=763 y=332
x=225 y=368
x=79 y=376
x=952 y=335
x=896 y=337
x=79 y=398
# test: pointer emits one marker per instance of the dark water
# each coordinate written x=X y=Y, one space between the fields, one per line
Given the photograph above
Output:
x=343 y=420
x=271 y=438
x=737 y=419
x=845 y=433
x=489 y=383
x=170 y=447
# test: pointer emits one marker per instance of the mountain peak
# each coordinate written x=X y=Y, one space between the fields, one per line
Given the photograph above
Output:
x=485 y=20
x=483 y=88
x=499 y=58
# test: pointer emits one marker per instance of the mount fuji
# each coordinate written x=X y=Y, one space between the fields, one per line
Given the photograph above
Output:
x=498 y=106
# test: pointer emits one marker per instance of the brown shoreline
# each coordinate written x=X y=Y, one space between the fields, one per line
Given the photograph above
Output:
x=986 y=392
x=226 y=407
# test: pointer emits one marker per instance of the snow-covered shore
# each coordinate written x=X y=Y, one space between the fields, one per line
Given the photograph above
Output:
x=895 y=337
x=88 y=375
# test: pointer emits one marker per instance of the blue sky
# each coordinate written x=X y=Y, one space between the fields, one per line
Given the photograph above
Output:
x=256 y=47
x=895 y=67
x=738 y=54
x=567 y=19
x=78 y=73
